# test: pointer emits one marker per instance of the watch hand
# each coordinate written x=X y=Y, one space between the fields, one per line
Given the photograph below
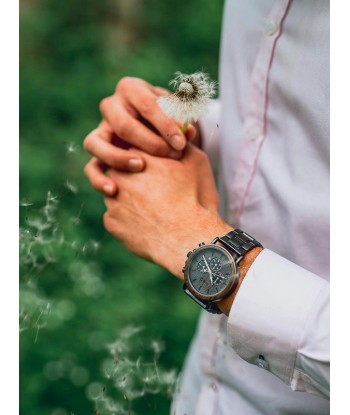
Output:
x=209 y=270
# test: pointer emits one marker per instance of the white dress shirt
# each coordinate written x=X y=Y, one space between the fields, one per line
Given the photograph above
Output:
x=268 y=140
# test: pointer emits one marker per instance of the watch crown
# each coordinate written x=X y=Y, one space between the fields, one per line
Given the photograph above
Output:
x=183 y=270
x=189 y=253
x=201 y=244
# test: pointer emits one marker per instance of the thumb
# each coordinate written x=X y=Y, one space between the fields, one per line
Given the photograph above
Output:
x=199 y=160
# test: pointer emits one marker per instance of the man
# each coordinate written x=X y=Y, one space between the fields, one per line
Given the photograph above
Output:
x=268 y=135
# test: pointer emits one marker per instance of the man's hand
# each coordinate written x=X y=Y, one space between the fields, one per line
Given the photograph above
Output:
x=131 y=118
x=165 y=211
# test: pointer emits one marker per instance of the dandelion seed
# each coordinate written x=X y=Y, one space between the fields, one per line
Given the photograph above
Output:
x=72 y=148
x=190 y=99
x=90 y=248
x=38 y=224
x=71 y=187
x=76 y=220
x=51 y=198
x=75 y=245
x=157 y=347
x=130 y=331
x=25 y=203
x=169 y=377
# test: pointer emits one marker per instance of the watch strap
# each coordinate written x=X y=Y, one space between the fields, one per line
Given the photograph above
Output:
x=239 y=242
x=210 y=306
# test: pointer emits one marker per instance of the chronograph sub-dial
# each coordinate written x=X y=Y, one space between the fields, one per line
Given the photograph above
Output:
x=215 y=265
x=218 y=277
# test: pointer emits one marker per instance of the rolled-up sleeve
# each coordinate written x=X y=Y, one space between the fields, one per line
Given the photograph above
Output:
x=280 y=321
x=209 y=126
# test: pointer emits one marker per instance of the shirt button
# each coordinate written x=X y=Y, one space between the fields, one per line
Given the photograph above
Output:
x=271 y=28
x=254 y=132
x=261 y=362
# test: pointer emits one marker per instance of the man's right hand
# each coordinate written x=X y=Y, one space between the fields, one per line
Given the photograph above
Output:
x=131 y=118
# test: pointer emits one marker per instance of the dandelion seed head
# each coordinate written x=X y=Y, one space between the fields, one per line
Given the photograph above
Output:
x=191 y=96
x=186 y=88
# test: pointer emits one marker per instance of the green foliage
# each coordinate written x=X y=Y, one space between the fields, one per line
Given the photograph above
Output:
x=79 y=288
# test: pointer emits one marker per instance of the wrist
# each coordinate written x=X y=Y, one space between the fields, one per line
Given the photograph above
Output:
x=204 y=228
x=244 y=266
x=216 y=268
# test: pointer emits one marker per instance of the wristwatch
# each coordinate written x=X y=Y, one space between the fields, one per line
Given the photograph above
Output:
x=211 y=271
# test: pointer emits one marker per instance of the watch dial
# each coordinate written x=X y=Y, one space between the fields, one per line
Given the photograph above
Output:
x=210 y=271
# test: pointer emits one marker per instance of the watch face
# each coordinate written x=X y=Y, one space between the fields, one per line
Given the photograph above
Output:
x=210 y=272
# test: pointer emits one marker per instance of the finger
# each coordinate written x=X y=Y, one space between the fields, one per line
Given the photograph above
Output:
x=105 y=127
x=133 y=131
x=191 y=131
x=110 y=202
x=193 y=155
x=111 y=155
x=159 y=91
x=95 y=172
x=145 y=102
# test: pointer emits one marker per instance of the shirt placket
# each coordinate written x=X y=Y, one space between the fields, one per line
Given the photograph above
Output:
x=255 y=114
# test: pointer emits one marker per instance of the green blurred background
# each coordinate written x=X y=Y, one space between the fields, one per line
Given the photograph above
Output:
x=78 y=286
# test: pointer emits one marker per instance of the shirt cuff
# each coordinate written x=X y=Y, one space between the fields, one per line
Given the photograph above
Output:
x=270 y=312
x=209 y=126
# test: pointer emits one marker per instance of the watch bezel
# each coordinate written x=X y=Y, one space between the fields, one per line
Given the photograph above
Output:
x=233 y=278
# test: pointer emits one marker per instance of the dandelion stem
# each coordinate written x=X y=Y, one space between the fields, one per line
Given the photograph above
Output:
x=184 y=127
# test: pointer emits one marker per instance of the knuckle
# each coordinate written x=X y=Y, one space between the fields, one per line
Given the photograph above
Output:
x=87 y=170
x=108 y=223
x=147 y=107
x=88 y=142
x=158 y=148
x=124 y=84
x=202 y=156
x=104 y=105
x=169 y=127
x=95 y=184
x=115 y=160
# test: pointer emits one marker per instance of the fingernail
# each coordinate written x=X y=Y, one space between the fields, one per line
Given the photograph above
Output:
x=108 y=188
x=178 y=142
x=135 y=164
x=173 y=154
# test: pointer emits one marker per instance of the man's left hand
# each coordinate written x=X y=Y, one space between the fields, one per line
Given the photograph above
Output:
x=165 y=211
